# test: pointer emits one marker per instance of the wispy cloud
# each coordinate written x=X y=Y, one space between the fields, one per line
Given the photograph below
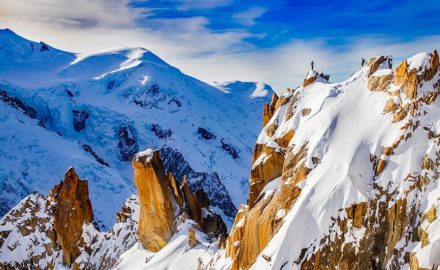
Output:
x=249 y=16
x=70 y=14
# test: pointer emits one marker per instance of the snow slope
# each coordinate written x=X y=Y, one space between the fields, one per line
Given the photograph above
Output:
x=359 y=177
x=346 y=126
x=94 y=111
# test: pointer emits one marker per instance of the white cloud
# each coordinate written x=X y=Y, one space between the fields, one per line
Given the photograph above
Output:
x=70 y=14
x=287 y=66
x=188 y=43
x=249 y=16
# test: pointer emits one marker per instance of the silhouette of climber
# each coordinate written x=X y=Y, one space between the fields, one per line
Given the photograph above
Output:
x=313 y=65
x=390 y=61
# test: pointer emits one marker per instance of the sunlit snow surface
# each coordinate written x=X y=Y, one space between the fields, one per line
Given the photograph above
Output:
x=347 y=124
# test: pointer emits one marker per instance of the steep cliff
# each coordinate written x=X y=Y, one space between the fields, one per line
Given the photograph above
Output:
x=345 y=175
x=162 y=204
x=72 y=210
x=157 y=214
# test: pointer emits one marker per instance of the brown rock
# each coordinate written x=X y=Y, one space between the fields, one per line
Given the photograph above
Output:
x=434 y=62
x=274 y=100
x=360 y=210
x=191 y=204
x=156 y=192
x=309 y=81
x=413 y=262
x=192 y=241
x=284 y=140
x=385 y=224
x=202 y=198
x=431 y=215
x=72 y=210
x=380 y=166
x=407 y=79
x=314 y=77
x=387 y=151
x=269 y=109
x=379 y=83
x=399 y=115
x=390 y=106
x=122 y=215
x=264 y=172
x=264 y=217
x=267 y=114
x=374 y=64
x=156 y=217
x=427 y=163
x=424 y=237
x=176 y=191
x=270 y=130
x=233 y=242
x=306 y=111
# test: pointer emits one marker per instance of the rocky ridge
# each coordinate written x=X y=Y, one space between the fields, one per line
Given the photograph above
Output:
x=59 y=230
x=164 y=205
x=321 y=205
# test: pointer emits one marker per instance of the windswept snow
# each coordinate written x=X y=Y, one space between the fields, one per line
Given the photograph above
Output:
x=175 y=255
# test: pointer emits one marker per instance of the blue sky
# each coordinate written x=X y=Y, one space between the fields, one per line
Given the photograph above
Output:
x=276 y=22
x=221 y=40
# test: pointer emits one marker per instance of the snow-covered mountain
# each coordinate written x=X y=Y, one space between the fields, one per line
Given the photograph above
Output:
x=344 y=175
x=60 y=109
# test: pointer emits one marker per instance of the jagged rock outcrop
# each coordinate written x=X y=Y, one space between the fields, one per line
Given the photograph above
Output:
x=211 y=183
x=191 y=204
x=127 y=142
x=58 y=231
x=160 y=132
x=408 y=75
x=314 y=76
x=79 y=119
x=384 y=77
x=269 y=109
x=230 y=149
x=162 y=202
x=72 y=209
x=156 y=220
x=99 y=159
x=268 y=169
x=205 y=134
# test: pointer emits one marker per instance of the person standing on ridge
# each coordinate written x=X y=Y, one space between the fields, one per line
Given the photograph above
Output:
x=312 y=64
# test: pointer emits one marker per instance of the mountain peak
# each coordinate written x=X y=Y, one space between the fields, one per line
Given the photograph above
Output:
x=314 y=76
x=7 y=31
